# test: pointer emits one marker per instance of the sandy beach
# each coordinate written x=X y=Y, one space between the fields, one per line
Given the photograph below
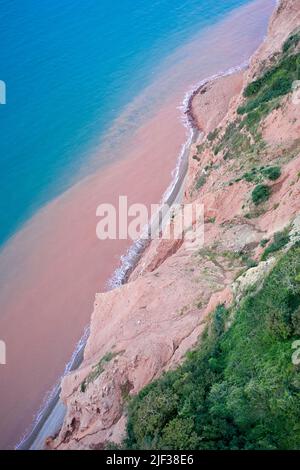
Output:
x=53 y=267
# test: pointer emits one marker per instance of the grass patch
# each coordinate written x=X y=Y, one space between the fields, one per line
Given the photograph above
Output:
x=291 y=43
x=280 y=240
x=256 y=175
x=272 y=172
x=262 y=94
x=200 y=148
x=275 y=82
x=97 y=370
x=233 y=141
x=264 y=242
x=252 y=176
x=200 y=182
x=243 y=137
x=213 y=135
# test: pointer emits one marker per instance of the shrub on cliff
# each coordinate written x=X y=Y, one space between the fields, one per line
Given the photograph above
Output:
x=275 y=81
x=239 y=388
x=201 y=181
x=260 y=193
x=213 y=135
x=256 y=175
x=261 y=94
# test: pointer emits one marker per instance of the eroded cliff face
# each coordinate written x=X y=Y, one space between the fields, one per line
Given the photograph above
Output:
x=147 y=326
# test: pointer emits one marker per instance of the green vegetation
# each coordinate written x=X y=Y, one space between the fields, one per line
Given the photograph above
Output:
x=256 y=175
x=97 y=370
x=260 y=193
x=219 y=257
x=291 y=42
x=239 y=388
x=233 y=142
x=240 y=141
x=275 y=81
x=243 y=137
x=213 y=135
x=281 y=239
x=252 y=176
x=264 y=94
x=257 y=212
x=264 y=242
x=251 y=263
x=272 y=172
x=200 y=148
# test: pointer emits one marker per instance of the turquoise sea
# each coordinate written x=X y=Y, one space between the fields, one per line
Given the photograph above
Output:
x=70 y=67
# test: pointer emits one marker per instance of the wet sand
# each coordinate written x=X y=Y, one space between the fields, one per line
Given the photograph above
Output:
x=52 y=268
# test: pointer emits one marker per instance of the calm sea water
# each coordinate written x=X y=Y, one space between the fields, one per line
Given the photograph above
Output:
x=70 y=67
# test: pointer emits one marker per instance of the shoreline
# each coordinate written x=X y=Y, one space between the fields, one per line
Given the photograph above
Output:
x=129 y=261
